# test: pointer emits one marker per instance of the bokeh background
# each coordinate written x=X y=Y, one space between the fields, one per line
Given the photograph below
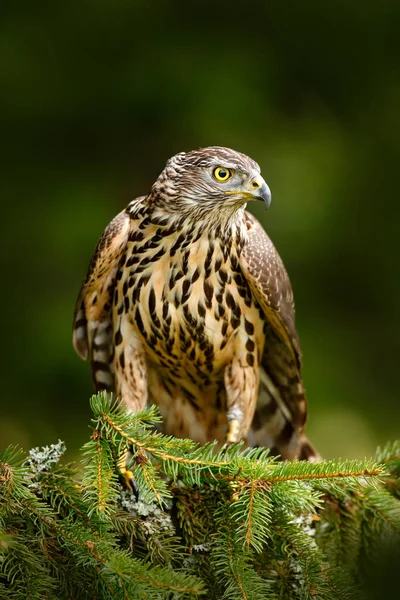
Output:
x=95 y=96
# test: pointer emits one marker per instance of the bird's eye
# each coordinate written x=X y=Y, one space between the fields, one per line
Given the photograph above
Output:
x=222 y=174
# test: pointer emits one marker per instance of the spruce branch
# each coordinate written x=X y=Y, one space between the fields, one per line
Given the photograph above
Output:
x=233 y=563
x=100 y=479
x=199 y=462
x=224 y=522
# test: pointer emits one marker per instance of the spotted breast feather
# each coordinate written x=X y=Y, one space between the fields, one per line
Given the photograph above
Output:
x=182 y=307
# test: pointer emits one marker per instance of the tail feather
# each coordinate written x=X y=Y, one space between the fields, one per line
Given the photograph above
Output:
x=273 y=426
x=307 y=451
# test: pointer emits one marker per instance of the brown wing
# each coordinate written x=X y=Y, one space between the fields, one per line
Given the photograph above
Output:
x=93 y=328
x=270 y=284
x=282 y=407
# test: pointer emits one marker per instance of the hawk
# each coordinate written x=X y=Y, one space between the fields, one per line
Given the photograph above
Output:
x=187 y=304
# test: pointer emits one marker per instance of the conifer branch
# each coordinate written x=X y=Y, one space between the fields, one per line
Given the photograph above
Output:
x=228 y=523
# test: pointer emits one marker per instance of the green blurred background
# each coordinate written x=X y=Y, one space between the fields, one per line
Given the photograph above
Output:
x=95 y=96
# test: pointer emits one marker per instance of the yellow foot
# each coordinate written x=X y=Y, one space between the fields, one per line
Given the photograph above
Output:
x=126 y=476
x=233 y=432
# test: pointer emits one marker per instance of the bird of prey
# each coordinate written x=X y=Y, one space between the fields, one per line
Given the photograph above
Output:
x=187 y=305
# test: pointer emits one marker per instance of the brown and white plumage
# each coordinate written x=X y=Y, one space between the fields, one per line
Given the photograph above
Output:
x=187 y=304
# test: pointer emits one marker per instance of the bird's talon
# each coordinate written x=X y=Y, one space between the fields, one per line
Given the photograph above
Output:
x=129 y=482
x=133 y=486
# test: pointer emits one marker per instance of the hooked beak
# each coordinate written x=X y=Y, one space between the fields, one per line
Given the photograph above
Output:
x=257 y=190
x=261 y=191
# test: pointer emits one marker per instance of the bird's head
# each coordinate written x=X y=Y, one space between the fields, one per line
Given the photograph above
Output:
x=209 y=181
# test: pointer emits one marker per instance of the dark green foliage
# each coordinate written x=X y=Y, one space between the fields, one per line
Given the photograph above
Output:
x=227 y=523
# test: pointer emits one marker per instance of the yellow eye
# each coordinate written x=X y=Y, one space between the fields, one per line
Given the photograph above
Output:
x=222 y=174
